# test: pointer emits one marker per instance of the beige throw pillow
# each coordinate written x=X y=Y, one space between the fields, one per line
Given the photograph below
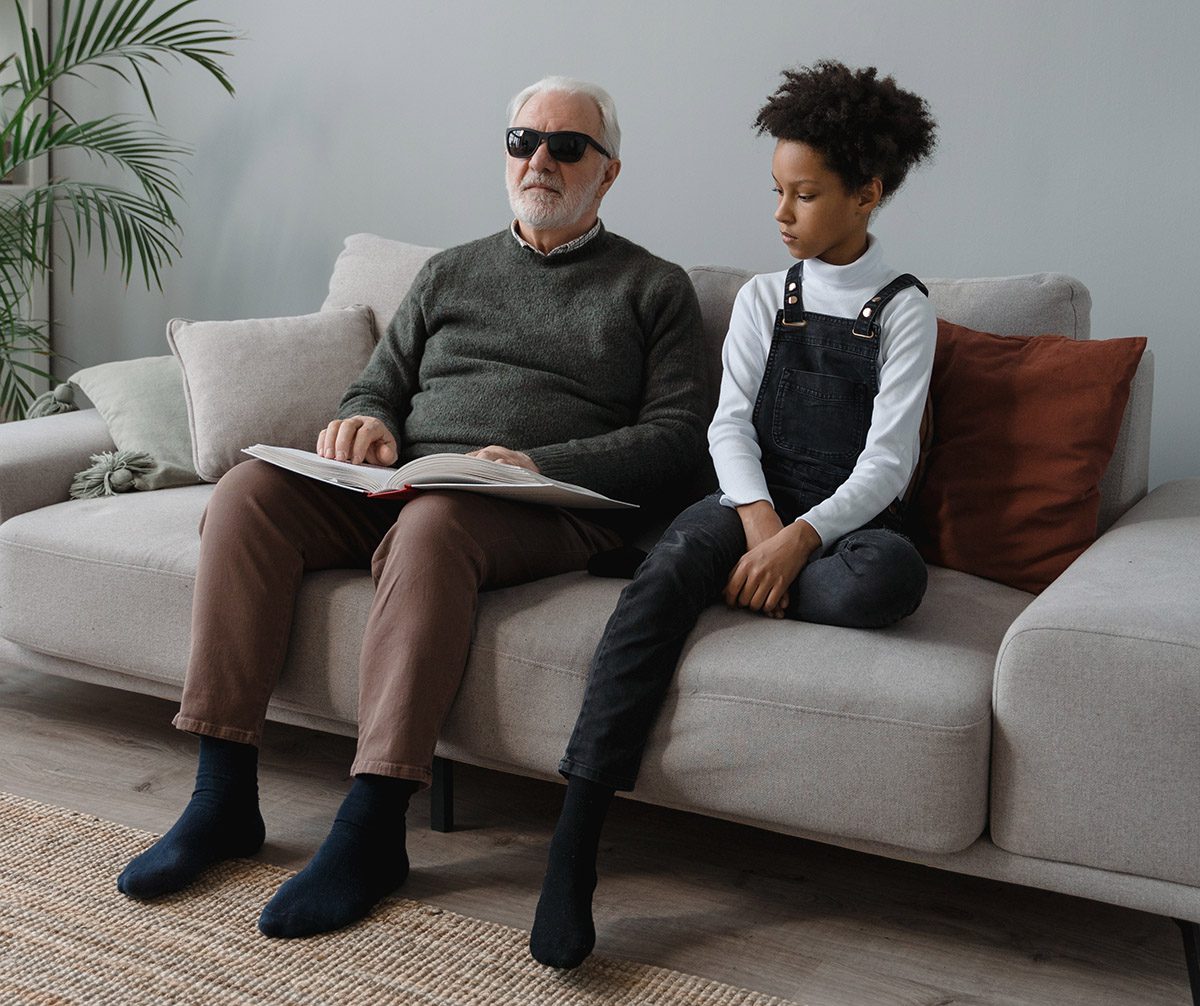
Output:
x=267 y=380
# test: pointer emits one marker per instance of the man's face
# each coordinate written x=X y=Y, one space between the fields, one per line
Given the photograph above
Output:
x=544 y=193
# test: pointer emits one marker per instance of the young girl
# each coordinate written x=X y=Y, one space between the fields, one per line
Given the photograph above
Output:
x=815 y=438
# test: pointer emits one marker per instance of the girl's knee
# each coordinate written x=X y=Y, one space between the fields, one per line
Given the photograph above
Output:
x=870 y=580
x=695 y=550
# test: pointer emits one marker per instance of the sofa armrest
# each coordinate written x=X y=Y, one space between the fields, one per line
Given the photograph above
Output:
x=1097 y=702
x=38 y=458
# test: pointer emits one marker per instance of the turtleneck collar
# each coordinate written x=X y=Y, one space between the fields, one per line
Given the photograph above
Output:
x=861 y=272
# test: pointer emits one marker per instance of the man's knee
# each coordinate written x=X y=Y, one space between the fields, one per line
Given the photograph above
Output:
x=250 y=489
x=432 y=528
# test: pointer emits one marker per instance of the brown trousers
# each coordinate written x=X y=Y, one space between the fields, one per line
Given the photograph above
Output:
x=429 y=557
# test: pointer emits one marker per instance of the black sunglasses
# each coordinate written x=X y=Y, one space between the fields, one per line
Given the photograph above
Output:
x=564 y=145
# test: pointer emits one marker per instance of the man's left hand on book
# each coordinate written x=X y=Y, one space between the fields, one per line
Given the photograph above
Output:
x=359 y=440
x=506 y=457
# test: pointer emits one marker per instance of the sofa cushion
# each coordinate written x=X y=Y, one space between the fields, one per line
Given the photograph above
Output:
x=716 y=290
x=881 y=736
x=1006 y=305
x=377 y=272
x=105 y=581
x=1015 y=305
x=1023 y=429
x=142 y=404
x=875 y=735
x=266 y=380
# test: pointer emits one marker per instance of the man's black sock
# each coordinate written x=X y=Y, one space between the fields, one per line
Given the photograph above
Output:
x=563 y=932
x=222 y=821
x=362 y=860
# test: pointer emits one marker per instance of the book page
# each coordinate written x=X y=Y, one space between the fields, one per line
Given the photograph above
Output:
x=438 y=471
x=363 y=478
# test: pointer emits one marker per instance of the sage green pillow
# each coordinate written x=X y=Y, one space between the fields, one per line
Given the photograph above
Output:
x=143 y=403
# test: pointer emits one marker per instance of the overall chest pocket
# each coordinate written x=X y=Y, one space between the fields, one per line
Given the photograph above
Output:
x=820 y=416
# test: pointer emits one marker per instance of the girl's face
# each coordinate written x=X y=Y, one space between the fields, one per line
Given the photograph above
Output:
x=817 y=216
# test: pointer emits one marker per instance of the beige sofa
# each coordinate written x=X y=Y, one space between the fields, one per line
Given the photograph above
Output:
x=1051 y=741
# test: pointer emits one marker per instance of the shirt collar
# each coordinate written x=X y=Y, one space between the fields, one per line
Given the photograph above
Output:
x=570 y=246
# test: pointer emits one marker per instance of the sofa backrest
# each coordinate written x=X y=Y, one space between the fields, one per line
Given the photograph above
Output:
x=1007 y=305
x=377 y=272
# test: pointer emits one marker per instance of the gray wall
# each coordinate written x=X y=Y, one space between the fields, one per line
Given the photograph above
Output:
x=1069 y=142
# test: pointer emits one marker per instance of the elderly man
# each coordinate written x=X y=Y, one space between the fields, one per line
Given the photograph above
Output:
x=554 y=345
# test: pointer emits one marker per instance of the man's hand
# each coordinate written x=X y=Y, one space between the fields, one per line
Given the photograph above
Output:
x=761 y=579
x=359 y=440
x=505 y=457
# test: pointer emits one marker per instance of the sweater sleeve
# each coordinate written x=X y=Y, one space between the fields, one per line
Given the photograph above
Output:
x=385 y=388
x=732 y=441
x=889 y=457
x=646 y=460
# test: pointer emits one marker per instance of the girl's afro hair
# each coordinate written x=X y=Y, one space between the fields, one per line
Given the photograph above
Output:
x=863 y=126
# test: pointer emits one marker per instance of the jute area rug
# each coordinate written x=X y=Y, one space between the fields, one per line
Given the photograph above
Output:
x=68 y=937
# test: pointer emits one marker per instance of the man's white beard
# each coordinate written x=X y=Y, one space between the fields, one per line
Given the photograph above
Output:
x=546 y=211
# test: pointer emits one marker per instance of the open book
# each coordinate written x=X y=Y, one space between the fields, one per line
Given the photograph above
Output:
x=437 y=471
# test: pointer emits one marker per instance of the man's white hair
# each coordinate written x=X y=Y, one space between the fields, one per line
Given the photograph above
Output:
x=610 y=131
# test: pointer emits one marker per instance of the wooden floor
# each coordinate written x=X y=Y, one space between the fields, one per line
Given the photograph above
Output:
x=812 y=923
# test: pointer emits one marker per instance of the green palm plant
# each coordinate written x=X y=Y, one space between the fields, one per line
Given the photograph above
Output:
x=134 y=224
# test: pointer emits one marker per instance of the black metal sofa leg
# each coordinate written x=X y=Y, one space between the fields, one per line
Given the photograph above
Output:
x=1191 y=952
x=441 y=796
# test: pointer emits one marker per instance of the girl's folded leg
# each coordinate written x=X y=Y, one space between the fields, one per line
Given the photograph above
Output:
x=869 y=579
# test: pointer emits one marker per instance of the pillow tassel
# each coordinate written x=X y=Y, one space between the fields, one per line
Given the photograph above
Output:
x=112 y=472
x=51 y=403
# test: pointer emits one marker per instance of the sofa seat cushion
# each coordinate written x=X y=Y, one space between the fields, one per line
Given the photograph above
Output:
x=876 y=735
x=105 y=581
x=873 y=735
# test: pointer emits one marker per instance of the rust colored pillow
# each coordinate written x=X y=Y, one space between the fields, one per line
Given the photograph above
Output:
x=1023 y=429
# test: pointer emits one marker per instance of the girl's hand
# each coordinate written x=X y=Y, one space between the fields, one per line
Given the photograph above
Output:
x=761 y=579
x=759 y=521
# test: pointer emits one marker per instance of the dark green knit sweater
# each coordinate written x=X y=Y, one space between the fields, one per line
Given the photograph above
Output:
x=589 y=361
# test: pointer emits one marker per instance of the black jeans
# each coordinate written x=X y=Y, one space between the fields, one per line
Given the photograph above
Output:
x=866 y=579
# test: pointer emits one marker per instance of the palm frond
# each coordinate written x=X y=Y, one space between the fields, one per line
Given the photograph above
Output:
x=148 y=154
x=24 y=250
x=132 y=226
x=20 y=337
x=130 y=34
x=137 y=229
x=118 y=35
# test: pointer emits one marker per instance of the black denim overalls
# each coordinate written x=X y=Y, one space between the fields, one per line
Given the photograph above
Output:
x=812 y=416
x=814 y=404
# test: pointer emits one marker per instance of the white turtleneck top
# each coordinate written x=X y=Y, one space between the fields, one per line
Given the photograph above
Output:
x=909 y=334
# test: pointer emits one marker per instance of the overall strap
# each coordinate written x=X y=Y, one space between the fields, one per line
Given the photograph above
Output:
x=793 y=296
x=866 y=325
